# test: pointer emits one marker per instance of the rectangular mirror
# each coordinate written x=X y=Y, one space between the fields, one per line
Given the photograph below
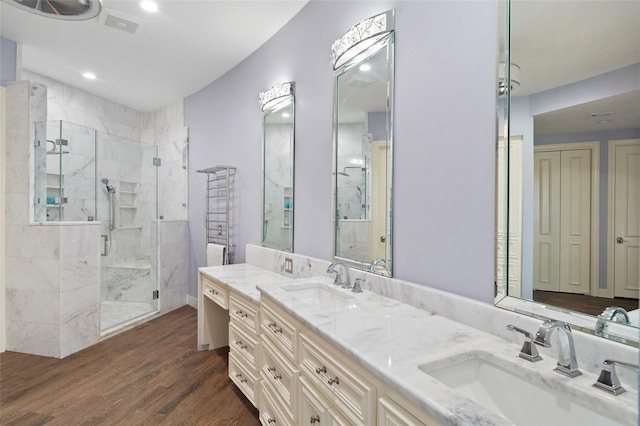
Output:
x=278 y=131
x=568 y=165
x=363 y=145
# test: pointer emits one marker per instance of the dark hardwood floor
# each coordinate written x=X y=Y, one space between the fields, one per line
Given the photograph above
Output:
x=583 y=303
x=149 y=375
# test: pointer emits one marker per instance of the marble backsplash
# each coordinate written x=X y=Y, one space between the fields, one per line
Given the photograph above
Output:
x=591 y=351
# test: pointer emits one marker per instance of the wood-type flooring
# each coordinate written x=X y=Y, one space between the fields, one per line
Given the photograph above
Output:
x=150 y=375
x=583 y=303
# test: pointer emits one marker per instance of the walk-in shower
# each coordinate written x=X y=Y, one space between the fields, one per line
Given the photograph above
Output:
x=68 y=162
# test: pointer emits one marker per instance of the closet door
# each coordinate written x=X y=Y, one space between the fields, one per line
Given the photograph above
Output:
x=575 y=221
x=562 y=240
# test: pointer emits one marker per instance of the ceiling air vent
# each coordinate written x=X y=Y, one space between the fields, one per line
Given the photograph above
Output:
x=71 y=10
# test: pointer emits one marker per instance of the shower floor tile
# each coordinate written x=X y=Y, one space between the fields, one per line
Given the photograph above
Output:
x=113 y=312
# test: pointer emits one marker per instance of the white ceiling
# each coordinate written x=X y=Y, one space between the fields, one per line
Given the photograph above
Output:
x=560 y=42
x=175 y=52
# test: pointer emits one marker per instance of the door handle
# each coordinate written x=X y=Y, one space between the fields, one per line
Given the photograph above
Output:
x=383 y=239
x=621 y=240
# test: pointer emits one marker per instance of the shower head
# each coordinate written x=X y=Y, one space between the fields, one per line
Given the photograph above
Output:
x=110 y=188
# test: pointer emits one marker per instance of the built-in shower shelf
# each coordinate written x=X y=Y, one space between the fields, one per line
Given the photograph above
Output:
x=128 y=207
x=128 y=192
x=129 y=227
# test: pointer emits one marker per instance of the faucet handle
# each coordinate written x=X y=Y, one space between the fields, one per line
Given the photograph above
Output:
x=357 y=287
x=529 y=350
x=608 y=379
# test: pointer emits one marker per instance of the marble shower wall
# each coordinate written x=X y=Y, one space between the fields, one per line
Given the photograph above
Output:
x=277 y=169
x=590 y=350
x=355 y=145
x=165 y=130
x=52 y=270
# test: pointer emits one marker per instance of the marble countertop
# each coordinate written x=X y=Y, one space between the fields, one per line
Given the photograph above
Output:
x=391 y=340
x=243 y=278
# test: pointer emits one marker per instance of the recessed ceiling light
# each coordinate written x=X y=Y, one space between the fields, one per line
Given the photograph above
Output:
x=365 y=67
x=149 y=6
x=89 y=76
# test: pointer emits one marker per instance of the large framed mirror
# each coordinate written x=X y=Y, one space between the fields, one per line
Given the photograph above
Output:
x=568 y=190
x=362 y=61
x=278 y=134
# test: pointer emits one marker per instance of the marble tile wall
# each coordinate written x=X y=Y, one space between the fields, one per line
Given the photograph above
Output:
x=591 y=350
x=173 y=244
x=352 y=191
x=53 y=270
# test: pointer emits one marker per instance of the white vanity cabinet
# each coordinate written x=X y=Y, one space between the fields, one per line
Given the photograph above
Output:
x=278 y=357
x=244 y=345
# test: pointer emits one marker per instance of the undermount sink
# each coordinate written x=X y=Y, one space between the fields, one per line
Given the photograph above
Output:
x=317 y=293
x=494 y=384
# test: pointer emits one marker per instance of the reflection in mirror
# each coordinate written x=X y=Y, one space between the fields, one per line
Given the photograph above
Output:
x=571 y=196
x=278 y=118
x=363 y=135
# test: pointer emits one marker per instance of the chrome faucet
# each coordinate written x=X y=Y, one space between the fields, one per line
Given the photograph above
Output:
x=608 y=379
x=341 y=279
x=567 y=363
x=610 y=314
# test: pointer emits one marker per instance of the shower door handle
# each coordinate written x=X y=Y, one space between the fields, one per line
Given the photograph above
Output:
x=105 y=239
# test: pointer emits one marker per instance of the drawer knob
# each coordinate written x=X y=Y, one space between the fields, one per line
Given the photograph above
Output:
x=241 y=345
x=242 y=314
x=332 y=381
x=271 y=421
x=315 y=419
x=322 y=369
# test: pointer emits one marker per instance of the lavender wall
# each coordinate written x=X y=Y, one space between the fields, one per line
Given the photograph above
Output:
x=445 y=126
x=8 y=60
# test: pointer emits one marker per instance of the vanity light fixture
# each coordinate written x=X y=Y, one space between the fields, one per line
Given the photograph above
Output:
x=360 y=37
x=89 y=75
x=286 y=115
x=276 y=94
x=365 y=67
x=149 y=6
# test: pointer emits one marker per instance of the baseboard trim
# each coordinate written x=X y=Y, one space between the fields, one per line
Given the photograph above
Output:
x=192 y=301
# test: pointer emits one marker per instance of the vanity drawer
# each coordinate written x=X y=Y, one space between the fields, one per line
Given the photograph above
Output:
x=244 y=312
x=245 y=380
x=281 y=330
x=390 y=413
x=215 y=291
x=351 y=392
x=271 y=413
x=244 y=345
x=282 y=375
